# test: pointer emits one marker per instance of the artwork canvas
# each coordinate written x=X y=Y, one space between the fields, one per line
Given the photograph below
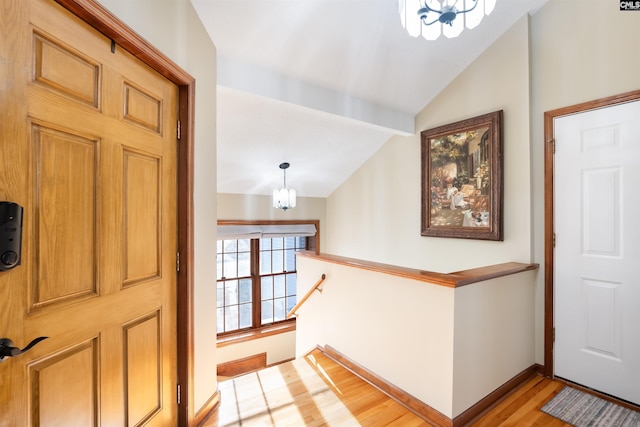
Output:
x=462 y=179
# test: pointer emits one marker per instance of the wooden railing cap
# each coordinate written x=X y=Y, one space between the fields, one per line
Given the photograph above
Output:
x=451 y=280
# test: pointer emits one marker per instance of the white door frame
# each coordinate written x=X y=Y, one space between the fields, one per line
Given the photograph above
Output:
x=549 y=227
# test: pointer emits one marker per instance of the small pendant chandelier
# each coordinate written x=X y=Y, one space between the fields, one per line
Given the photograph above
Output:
x=284 y=198
x=431 y=18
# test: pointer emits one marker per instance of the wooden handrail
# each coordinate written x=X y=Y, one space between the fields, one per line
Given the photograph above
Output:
x=450 y=280
x=306 y=296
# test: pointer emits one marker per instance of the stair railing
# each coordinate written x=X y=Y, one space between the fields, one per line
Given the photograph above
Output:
x=306 y=296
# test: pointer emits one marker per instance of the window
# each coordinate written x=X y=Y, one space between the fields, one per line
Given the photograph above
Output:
x=256 y=279
x=235 y=285
x=278 y=277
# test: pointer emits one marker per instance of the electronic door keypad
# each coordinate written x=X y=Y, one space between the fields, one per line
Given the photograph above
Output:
x=10 y=235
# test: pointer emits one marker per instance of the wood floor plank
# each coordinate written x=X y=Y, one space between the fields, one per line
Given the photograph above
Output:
x=317 y=391
x=310 y=391
x=522 y=407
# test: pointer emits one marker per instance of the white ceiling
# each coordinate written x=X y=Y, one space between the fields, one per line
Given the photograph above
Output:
x=322 y=84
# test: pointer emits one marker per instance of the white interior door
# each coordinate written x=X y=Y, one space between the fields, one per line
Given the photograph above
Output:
x=597 y=253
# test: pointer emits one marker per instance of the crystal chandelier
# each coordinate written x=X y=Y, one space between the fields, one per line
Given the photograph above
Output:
x=431 y=18
x=284 y=198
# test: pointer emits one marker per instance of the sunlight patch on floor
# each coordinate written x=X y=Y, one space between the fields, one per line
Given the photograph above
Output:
x=273 y=397
x=322 y=372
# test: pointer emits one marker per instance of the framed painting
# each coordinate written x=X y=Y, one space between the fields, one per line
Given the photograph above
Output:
x=462 y=179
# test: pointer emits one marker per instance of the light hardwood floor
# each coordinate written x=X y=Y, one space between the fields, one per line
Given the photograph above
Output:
x=317 y=391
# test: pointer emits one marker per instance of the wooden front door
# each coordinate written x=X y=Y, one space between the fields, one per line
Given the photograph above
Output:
x=88 y=148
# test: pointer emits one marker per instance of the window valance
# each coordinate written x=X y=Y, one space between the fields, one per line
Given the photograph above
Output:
x=232 y=232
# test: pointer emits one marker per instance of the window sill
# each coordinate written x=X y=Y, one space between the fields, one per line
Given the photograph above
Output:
x=256 y=334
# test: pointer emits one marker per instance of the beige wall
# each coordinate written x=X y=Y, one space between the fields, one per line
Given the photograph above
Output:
x=397 y=328
x=375 y=215
x=259 y=207
x=173 y=27
x=574 y=51
x=381 y=201
x=493 y=336
x=278 y=347
x=447 y=347
x=581 y=50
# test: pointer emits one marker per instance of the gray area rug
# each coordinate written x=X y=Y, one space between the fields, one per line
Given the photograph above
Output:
x=581 y=409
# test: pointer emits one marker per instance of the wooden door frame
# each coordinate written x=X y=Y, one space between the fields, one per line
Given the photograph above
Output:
x=549 y=228
x=105 y=22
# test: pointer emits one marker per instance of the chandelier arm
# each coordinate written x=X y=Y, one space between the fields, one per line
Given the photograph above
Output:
x=428 y=9
x=471 y=8
x=430 y=23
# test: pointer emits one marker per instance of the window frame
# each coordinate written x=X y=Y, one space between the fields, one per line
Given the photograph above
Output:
x=312 y=245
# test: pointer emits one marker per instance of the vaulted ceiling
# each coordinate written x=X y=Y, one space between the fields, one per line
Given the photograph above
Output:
x=324 y=84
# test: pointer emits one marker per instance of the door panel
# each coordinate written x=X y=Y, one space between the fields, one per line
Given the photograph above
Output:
x=142 y=217
x=142 y=108
x=142 y=369
x=65 y=70
x=597 y=294
x=65 y=172
x=77 y=368
x=93 y=162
